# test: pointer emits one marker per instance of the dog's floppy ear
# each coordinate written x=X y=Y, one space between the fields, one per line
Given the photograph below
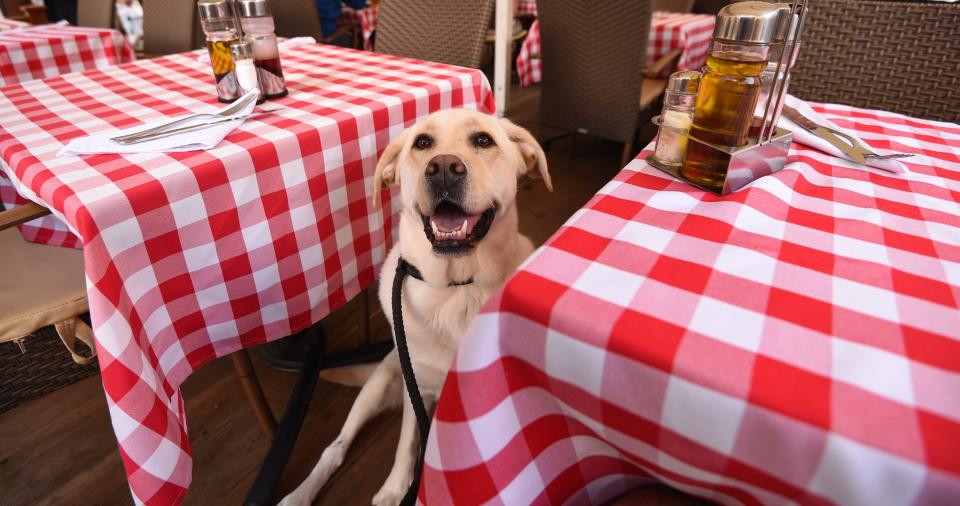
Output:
x=387 y=173
x=533 y=156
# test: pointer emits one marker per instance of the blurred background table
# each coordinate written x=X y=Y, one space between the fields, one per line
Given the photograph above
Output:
x=50 y=50
x=191 y=256
x=686 y=34
x=797 y=341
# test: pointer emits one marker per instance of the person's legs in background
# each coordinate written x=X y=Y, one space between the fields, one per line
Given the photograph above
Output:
x=58 y=10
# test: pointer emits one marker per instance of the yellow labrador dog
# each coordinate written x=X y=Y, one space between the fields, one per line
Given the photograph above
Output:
x=457 y=171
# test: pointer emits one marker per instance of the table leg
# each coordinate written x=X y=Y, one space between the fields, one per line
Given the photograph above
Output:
x=248 y=378
x=261 y=492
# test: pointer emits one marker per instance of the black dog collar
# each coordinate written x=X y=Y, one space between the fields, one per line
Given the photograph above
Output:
x=414 y=273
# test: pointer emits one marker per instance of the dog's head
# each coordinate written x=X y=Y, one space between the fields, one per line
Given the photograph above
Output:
x=456 y=169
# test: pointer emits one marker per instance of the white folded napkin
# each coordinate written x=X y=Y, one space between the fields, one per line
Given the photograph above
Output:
x=806 y=138
x=196 y=140
x=282 y=45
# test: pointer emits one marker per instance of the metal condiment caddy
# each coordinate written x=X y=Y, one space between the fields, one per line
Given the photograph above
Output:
x=766 y=146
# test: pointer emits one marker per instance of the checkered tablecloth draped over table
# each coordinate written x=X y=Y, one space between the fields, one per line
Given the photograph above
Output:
x=51 y=50
x=797 y=341
x=668 y=31
x=11 y=24
x=192 y=255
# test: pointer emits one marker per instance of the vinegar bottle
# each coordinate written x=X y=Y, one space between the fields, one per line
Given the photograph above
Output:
x=729 y=88
x=258 y=25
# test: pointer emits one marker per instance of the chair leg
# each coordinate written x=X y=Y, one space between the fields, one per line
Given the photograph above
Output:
x=248 y=378
x=627 y=153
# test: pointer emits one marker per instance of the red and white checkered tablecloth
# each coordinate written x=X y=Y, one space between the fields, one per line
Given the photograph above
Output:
x=46 y=51
x=668 y=31
x=11 y=24
x=51 y=50
x=795 y=342
x=193 y=255
x=526 y=7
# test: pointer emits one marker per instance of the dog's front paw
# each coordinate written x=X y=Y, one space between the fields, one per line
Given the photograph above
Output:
x=391 y=494
x=295 y=499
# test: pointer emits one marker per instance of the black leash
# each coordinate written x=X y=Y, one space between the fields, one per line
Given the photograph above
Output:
x=404 y=269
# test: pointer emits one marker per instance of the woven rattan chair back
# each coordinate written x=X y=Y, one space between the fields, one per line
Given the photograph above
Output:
x=170 y=26
x=892 y=56
x=297 y=18
x=95 y=13
x=593 y=60
x=444 y=31
x=673 y=5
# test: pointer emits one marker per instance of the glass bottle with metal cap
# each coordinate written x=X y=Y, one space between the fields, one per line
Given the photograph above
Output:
x=220 y=27
x=729 y=88
x=258 y=26
x=783 y=44
x=676 y=117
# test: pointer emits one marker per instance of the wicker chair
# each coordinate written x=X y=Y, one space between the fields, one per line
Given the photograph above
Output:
x=170 y=26
x=95 y=13
x=44 y=285
x=299 y=18
x=892 y=56
x=435 y=30
x=593 y=62
x=673 y=5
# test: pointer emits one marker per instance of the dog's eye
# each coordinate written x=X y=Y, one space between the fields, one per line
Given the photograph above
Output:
x=423 y=142
x=482 y=140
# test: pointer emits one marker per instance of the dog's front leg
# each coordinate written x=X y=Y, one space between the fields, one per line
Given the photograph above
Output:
x=381 y=391
x=401 y=475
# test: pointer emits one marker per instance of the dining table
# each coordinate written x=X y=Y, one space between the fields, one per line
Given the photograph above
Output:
x=193 y=255
x=11 y=24
x=669 y=31
x=794 y=342
x=35 y=52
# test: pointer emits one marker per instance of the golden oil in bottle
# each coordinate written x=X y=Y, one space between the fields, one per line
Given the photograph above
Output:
x=724 y=109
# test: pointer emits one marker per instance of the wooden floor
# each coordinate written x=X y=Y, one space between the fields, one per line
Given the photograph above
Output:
x=60 y=449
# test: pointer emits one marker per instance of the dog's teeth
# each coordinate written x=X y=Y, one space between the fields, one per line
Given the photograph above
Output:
x=463 y=228
x=436 y=230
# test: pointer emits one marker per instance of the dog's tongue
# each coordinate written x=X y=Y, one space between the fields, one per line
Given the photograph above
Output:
x=449 y=220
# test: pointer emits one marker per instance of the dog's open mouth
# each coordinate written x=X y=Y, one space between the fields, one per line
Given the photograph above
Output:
x=453 y=231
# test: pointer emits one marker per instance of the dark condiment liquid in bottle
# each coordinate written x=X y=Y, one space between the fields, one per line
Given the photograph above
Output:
x=258 y=26
x=729 y=89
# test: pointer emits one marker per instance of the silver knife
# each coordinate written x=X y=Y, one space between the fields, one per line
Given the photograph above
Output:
x=191 y=128
x=824 y=133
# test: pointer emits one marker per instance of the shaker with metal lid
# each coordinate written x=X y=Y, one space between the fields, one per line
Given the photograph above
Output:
x=258 y=25
x=220 y=27
x=729 y=88
x=242 y=53
x=676 y=117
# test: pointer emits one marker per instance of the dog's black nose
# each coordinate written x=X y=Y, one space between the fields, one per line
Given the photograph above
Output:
x=446 y=171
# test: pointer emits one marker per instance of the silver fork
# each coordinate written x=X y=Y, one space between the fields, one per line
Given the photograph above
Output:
x=858 y=146
x=233 y=109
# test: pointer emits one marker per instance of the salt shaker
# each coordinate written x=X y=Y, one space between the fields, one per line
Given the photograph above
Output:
x=242 y=53
x=258 y=25
x=676 y=117
x=220 y=27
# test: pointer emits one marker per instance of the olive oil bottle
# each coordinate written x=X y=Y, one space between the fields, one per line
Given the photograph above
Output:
x=729 y=89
